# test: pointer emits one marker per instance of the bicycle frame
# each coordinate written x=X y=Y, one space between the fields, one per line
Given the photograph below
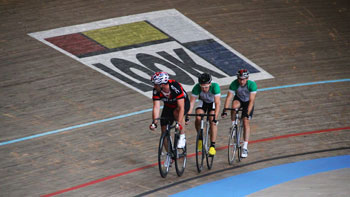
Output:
x=172 y=152
x=204 y=132
x=235 y=136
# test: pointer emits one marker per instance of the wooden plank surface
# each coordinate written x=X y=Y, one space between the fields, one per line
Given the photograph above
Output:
x=42 y=90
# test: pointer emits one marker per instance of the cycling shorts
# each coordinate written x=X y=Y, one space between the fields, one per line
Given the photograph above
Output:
x=169 y=113
x=205 y=106
x=244 y=106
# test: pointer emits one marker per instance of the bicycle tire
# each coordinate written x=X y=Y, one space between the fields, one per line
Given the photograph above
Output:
x=163 y=154
x=239 y=140
x=180 y=157
x=199 y=153
x=232 y=146
x=209 y=158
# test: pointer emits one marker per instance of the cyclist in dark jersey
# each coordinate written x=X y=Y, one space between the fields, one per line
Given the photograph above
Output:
x=176 y=103
x=243 y=92
x=208 y=94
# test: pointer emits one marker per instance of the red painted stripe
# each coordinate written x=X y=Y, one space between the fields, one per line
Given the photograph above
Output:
x=191 y=155
x=291 y=135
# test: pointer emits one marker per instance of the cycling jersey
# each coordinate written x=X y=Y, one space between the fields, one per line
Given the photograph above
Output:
x=243 y=92
x=170 y=99
x=207 y=97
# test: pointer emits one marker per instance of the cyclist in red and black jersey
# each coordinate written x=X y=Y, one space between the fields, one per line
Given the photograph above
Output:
x=176 y=103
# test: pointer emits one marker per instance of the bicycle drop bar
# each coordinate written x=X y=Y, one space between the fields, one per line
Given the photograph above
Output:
x=234 y=109
x=168 y=119
x=201 y=115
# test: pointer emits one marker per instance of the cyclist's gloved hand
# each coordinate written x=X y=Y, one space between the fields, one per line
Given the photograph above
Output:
x=187 y=120
x=153 y=126
x=216 y=122
x=247 y=116
x=223 y=114
x=179 y=126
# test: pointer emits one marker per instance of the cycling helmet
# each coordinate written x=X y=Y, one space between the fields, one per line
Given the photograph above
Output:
x=204 y=78
x=243 y=74
x=160 y=78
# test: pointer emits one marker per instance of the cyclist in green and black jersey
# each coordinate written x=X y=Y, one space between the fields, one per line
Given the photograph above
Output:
x=243 y=92
x=208 y=94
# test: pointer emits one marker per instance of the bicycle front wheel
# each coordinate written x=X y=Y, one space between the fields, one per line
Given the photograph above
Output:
x=180 y=157
x=209 y=158
x=239 y=141
x=164 y=157
x=199 y=152
x=232 y=145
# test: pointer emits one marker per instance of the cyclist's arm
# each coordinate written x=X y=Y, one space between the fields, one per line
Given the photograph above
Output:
x=156 y=110
x=181 y=110
x=228 y=99
x=251 y=101
x=217 y=100
x=192 y=102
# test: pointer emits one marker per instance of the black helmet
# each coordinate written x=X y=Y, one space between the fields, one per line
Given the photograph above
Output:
x=204 y=78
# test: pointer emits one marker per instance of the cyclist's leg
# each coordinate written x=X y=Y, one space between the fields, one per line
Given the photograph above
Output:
x=198 y=118
x=236 y=103
x=199 y=110
x=176 y=114
x=198 y=127
x=213 y=128
x=166 y=112
x=246 y=121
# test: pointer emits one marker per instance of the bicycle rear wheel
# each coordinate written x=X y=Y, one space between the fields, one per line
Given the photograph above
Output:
x=180 y=157
x=199 y=152
x=232 y=145
x=209 y=158
x=164 y=157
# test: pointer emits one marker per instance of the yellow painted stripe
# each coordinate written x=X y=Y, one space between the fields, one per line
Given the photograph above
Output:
x=125 y=35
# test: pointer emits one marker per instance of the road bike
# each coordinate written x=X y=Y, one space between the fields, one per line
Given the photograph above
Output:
x=168 y=151
x=205 y=135
x=235 y=140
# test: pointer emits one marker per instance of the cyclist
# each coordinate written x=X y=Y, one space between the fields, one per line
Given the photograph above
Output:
x=243 y=92
x=208 y=94
x=176 y=103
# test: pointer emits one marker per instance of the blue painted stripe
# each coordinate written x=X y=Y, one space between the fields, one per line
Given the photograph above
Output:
x=148 y=110
x=251 y=182
x=298 y=85
x=75 y=127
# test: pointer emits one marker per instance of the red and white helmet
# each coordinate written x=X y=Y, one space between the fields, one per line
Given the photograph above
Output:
x=160 y=78
x=243 y=74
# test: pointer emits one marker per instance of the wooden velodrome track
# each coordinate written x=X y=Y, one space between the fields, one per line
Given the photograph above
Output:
x=43 y=90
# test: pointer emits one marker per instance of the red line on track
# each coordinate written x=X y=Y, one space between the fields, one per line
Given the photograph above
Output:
x=191 y=155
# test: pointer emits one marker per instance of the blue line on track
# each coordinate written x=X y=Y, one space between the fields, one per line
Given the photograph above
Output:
x=148 y=110
x=254 y=181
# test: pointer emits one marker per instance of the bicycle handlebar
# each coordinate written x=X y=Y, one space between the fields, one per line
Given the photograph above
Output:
x=168 y=120
x=200 y=114
x=234 y=109
x=203 y=115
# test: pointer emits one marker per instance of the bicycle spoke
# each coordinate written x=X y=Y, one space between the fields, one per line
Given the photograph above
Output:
x=232 y=146
x=180 y=158
x=164 y=160
x=209 y=158
x=199 y=153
